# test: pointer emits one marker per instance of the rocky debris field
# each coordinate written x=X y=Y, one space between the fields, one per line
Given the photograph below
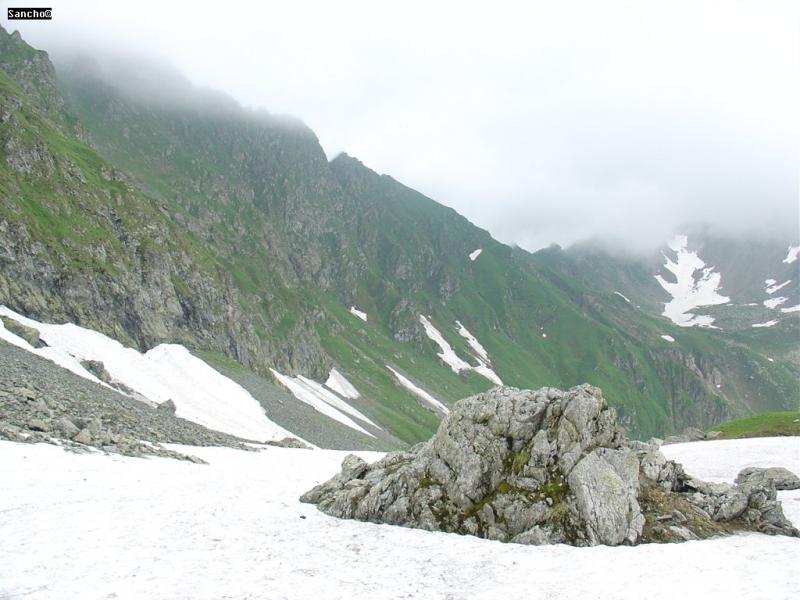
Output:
x=41 y=402
x=544 y=467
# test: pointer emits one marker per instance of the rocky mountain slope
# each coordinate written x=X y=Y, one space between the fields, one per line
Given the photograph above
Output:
x=181 y=217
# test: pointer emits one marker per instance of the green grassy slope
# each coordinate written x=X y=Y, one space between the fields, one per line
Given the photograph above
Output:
x=763 y=425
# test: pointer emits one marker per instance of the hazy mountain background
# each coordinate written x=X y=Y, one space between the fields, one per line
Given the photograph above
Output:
x=140 y=205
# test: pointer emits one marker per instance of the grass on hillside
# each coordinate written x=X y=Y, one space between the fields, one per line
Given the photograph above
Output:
x=763 y=425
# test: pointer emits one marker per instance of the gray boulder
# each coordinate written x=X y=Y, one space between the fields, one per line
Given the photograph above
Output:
x=783 y=479
x=543 y=467
x=167 y=408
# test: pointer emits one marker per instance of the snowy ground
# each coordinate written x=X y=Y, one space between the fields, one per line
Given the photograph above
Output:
x=95 y=526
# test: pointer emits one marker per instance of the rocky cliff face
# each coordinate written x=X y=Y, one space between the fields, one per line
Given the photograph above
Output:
x=544 y=467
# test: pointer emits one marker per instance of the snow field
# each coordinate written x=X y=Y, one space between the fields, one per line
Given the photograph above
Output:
x=98 y=527
x=322 y=400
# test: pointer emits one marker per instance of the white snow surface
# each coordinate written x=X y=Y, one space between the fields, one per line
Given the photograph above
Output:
x=669 y=338
x=339 y=384
x=774 y=288
x=322 y=400
x=775 y=302
x=449 y=356
x=473 y=342
x=95 y=526
x=771 y=323
x=791 y=309
x=623 y=296
x=419 y=392
x=770 y=282
x=473 y=256
x=358 y=313
x=695 y=285
x=166 y=372
x=792 y=254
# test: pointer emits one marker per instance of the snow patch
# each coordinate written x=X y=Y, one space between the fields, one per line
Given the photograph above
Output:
x=770 y=282
x=774 y=288
x=446 y=352
x=775 y=302
x=473 y=256
x=791 y=309
x=792 y=254
x=358 y=313
x=623 y=296
x=695 y=285
x=448 y=355
x=473 y=342
x=419 y=392
x=669 y=338
x=339 y=384
x=767 y=324
x=167 y=372
x=323 y=401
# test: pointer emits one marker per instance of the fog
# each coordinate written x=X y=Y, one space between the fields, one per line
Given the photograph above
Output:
x=542 y=122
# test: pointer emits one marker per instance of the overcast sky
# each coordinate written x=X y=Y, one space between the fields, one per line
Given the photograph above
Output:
x=540 y=121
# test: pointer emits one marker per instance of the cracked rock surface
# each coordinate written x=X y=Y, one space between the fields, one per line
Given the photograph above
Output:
x=543 y=467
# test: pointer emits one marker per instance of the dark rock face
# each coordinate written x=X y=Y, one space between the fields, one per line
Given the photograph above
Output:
x=542 y=467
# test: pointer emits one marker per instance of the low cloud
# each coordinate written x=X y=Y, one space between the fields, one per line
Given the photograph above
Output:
x=554 y=122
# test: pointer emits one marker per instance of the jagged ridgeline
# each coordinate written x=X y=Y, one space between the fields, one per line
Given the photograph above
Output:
x=150 y=210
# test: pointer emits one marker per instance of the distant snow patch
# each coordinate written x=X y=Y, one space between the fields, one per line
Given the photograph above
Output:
x=166 y=372
x=473 y=256
x=696 y=285
x=624 y=297
x=791 y=309
x=774 y=288
x=448 y=355
x=473 y=342
x=446 y=352
x=339 y=384
x=767 y=324
x=770 y=282
x=792 y=254
x=323 y=401
x=669 y=338
x=360 y=314
x=775 y=302
x=419 y=392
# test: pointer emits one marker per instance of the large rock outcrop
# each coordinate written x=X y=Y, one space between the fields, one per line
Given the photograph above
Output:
x=539 y=467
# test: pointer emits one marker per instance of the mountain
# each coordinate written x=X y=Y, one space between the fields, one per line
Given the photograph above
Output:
x=140 y=206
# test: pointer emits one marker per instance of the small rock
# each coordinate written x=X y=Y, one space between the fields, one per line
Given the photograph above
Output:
x=167 y=408
x=66 y=427
x=783 y=479
x=38 y=425
x=84 y=436
x=288 y=442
